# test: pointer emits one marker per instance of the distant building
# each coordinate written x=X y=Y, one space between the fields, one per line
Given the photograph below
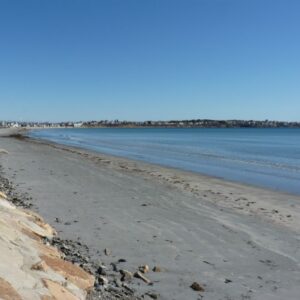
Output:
x=78 y=124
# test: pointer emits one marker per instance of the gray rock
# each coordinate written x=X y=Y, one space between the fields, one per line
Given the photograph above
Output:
x=126 y=275
x=139 y=275
x=102 y=280
x=197 y=287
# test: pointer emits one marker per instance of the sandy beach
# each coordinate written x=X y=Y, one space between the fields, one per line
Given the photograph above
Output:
x=236 y=241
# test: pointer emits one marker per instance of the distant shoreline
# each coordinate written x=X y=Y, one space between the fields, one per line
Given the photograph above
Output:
x=191 y=123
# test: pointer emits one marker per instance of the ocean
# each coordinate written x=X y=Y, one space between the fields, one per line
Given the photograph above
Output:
x=264 y=157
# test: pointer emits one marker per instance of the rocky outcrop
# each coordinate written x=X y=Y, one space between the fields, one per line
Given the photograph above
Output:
x=31 y=269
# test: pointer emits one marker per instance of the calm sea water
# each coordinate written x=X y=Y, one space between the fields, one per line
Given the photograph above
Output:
x=263 y=157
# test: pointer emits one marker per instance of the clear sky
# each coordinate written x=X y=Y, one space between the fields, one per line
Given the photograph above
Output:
x=149 y=59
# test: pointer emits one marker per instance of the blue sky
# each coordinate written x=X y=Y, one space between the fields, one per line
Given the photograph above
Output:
x=149 y=59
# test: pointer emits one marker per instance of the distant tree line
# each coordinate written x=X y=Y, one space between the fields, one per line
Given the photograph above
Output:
x=200 y=123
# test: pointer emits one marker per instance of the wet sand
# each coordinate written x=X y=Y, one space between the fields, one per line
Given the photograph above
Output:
x=237 y=241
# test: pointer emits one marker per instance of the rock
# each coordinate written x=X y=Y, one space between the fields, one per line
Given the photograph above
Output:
x=122 y=260
x=114 y=267
x=99 y=262
x=152 y=295
x=112 y=289
x=2 y=151
x=144 y=269
x=129 y=289
x=7 y=291
x=57 y=291
x=227 y=280
x=102 y=280
x=197 y=287
x=65 y=247
x=126 y=275
x=157 y=269
x=89 y=269
x=2 y=195
x=98 y=287
x=142 y=277
x=117 y=283
x=107 y=251
x=74 y=274
x=101 y=270
x=40 y=266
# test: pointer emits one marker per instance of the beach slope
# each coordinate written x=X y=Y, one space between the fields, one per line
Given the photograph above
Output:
x=235 y=241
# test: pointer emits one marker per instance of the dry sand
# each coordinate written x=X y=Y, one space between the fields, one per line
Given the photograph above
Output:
x=237 y=241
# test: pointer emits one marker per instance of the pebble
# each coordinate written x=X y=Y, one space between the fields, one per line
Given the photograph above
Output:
x=114 y=267
x=117 y=283
x=101 y=270
x=126 y=275
x=102 y=280
x=197 y=287
x=142 y=277
x=152 y=295
x=107 y=251
x=22 y=200
x=157 y=269
x=144 y=269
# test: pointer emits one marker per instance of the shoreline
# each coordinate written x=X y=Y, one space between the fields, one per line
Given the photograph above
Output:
x=182 y=179
x=150 y=164
x=226 y=169
x=197 y=228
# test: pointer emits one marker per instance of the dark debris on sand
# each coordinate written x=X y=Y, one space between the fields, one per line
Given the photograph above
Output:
x=19 y=199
